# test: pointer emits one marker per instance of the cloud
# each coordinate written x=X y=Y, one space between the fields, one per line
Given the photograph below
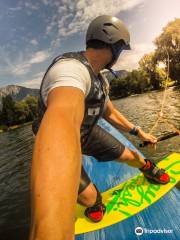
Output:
x=34 y=42
x=87 y=10
x=71 y=17
x=19 y=69
x=45 y=2
x=31 y=6
x=129 y=59
x=39 y=57
x=15 y=9
x=22 y=65
x=34 y=82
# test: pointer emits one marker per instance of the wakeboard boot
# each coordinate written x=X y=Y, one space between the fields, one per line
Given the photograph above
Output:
x=154 y=174
x=97 y=211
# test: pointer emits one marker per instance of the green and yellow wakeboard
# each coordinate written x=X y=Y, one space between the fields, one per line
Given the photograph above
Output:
x=130 y=197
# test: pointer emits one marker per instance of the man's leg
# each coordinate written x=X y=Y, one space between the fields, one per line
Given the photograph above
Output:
x=90 y=197
x=104 y=147
x=132 y=158
x=149 y=169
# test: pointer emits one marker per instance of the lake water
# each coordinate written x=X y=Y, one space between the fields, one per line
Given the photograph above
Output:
x=16 y=151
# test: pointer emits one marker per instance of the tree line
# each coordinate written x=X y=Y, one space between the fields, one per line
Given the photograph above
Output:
x=17 y=112
x=154 y=68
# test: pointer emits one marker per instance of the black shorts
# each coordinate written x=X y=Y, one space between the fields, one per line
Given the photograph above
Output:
x=101 y=145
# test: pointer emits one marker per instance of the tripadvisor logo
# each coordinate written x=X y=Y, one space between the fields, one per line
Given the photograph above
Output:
x=139 y=231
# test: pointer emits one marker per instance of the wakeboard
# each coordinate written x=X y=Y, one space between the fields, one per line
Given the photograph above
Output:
x=130 y=197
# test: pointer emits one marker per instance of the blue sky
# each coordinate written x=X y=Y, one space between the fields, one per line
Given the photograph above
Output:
x=33 y=32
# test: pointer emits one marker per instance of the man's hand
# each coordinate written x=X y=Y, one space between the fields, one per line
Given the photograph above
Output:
x=146 y=137
x=113 y=116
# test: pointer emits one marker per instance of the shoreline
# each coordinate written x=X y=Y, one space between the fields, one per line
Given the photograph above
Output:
x=145 y=92
x=15 y=127
x=113 y=98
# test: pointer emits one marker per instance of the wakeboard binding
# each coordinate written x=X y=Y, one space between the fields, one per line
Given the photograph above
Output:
x=154 y=174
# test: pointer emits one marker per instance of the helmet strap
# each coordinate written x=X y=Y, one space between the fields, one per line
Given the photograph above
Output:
x=113 y=72
x=116 y=50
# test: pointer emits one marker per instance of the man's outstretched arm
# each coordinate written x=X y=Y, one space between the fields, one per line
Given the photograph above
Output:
x=119 y=121
x=113 y=116
x=56 y=166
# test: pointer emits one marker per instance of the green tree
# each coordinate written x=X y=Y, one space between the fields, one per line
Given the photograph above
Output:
x=119 y=88
x=161 y=76
x=135 y=82
x=21 y=110
x=7 y=113
x=149 y=74
x=139 y=81
x=147 y=64
x=32 y=103
x=168 y=47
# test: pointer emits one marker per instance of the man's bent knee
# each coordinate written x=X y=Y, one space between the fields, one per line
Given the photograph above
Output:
x=88 y=196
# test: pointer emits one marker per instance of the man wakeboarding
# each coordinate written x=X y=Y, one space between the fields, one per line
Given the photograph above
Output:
x=73 y=97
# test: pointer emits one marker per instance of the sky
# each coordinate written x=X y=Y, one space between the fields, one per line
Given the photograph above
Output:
x=33 y=32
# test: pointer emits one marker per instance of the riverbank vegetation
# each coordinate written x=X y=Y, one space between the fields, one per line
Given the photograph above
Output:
x=17 y=113
x=156 y=69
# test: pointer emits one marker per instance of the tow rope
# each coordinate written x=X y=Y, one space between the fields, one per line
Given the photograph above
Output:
x=161 y=118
